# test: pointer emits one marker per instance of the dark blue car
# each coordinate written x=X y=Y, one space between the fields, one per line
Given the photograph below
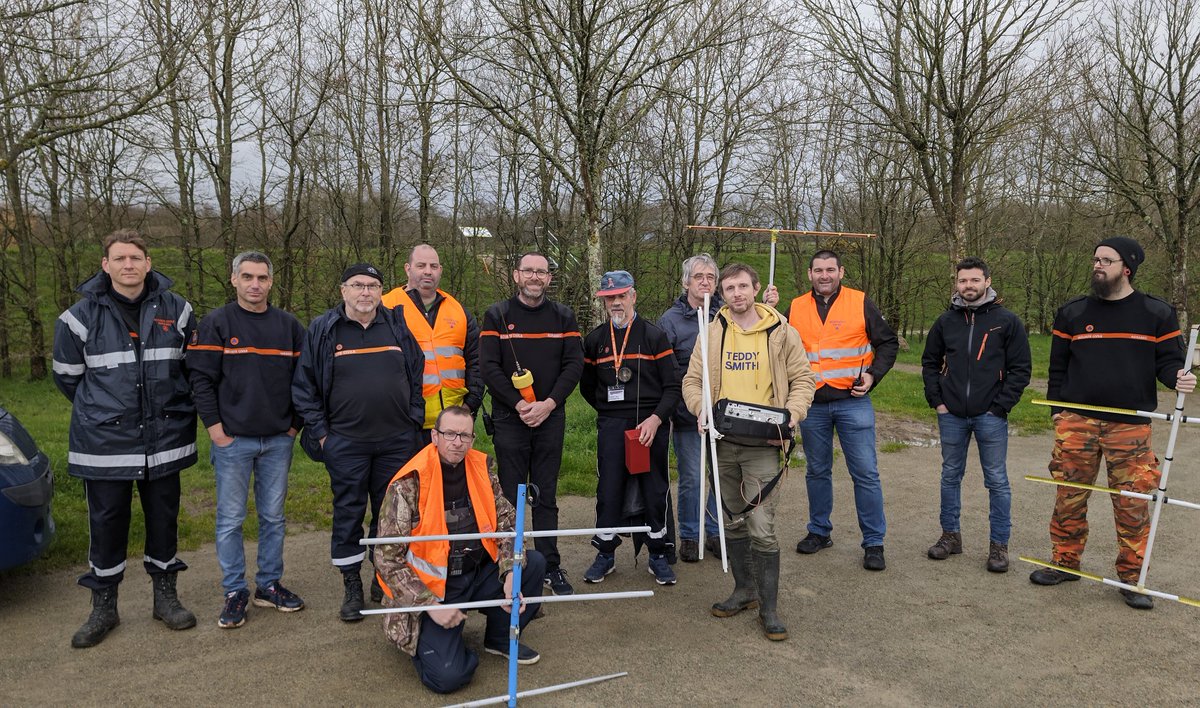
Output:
x=26 y=488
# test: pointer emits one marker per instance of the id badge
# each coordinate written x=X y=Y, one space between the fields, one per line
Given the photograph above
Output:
x=456 y=565
x=616 y=393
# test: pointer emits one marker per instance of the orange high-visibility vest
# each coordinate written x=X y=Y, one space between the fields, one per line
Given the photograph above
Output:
x=838 y=349
x=445 y=381
x=429 y=559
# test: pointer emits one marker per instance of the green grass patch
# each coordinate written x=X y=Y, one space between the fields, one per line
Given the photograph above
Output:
x=1039 y=349
x=893 y=446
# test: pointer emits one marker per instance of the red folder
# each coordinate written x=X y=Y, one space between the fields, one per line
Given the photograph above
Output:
x=637 y=455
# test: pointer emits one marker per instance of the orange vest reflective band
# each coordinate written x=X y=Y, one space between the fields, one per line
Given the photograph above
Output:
x=838 y=349
x=429 y=559
x=445 y=381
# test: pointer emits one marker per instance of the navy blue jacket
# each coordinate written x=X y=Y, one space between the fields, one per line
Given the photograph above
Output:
x=314 y=374
x=132 y=415
x=680 y=324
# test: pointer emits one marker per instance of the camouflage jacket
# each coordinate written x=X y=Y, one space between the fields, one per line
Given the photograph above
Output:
x=398 y=517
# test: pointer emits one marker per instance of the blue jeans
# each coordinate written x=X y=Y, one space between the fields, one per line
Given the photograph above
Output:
x=991 y=437
x=687 y=457
x=269 y=459
x=854 y=421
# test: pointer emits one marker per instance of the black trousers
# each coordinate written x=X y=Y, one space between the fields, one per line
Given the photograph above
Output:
x=613 y=478
x=109 y=511
x=443 y=661
x=359 y=472
x=532 y=456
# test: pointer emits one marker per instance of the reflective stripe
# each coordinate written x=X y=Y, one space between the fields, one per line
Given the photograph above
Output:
x=111 y=360
x=162 y=458
x=836 y=373
x=184 y=317
x=162 y=354
x=69 y=369
x=80 y=458
x=448 y=351
x=350 y=560
x=453 y=374
x=661 y=533
x=429 y=356
x=436 y=571
x=813 y=356
x=108 y=572
x=159 y=563
x=431 y=379
x=843 y=353
x=74 y=325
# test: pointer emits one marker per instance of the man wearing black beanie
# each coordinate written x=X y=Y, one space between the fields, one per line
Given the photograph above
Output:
x=1108 y=349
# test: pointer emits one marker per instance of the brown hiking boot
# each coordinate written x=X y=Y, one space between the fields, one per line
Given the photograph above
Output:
x=949 y=544
x=997 y=561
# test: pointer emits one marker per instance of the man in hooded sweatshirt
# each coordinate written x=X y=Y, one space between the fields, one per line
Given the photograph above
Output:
x=753 y=358
x=976 y=364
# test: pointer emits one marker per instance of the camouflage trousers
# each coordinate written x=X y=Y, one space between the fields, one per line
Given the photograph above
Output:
x=1079 y=443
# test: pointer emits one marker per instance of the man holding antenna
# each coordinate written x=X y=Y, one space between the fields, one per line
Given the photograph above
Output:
x=531 y=359
x=629 y=377
x=449 y=488
x=1108 y=349
x=754 y=360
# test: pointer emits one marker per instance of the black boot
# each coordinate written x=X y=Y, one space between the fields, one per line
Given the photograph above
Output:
x=104 y=619
x=166 y=603
x=766 y=574
x=352 y=604
x=744 y=596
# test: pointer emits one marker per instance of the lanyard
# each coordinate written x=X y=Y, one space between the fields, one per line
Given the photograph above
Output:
x=612 y=335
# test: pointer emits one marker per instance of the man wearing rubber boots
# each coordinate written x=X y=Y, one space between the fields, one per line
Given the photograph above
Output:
x=629 y=377
x=118 y=357
x=753 y=358
x=449 y=488
x=1108 y=349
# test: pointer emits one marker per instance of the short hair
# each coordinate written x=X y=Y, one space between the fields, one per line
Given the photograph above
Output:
x=413 y=250
x=734 y=269
x=972 y=263
x=252 y=257
x=130 y=236
x=452 y=410
x=527 y=254
x=823 y=254
x=691 y=264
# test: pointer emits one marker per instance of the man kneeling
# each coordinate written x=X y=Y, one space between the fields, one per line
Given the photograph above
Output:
x=449 y=488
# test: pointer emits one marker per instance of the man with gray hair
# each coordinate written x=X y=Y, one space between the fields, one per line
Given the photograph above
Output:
x=241 y=363
x=681 y=326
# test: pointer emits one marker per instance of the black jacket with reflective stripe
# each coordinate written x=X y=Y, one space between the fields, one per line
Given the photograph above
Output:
x=976 y=361
x=132 y=414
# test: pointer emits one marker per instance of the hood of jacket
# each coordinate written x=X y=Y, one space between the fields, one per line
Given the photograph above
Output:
x=958 y=303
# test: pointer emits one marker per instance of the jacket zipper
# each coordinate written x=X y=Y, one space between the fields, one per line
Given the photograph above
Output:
x=970 y=344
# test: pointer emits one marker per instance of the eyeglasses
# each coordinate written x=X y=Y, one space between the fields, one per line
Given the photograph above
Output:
x=704 y=277
x=1106 y=262
x=452 y=436
x=539 y=272
x=369 y=287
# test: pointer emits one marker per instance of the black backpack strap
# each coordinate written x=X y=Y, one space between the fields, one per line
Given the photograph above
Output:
x=767 y=489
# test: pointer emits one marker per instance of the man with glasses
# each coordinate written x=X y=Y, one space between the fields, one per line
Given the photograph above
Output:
x=358 y=389
x=449 y=488
x=526 y=336
x=1108 y=349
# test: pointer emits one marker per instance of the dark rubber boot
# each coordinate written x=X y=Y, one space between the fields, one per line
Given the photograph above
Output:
x=766 y=573
x=104 y=619
x=352 y=604
x=167 y=607
x=744 y=596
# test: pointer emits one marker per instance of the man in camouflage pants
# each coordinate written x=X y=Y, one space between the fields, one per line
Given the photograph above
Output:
x=1108 y=349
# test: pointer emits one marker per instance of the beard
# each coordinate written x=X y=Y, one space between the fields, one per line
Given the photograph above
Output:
x=1103 y=286
x=971 y=295
x=619 y=318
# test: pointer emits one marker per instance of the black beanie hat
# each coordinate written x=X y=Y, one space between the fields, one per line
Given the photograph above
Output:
x=1131 y=253
x=361 y=269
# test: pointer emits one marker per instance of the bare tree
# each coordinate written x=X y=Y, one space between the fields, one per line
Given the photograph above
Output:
x=65 y=68
x=945 y=76
x=1139 y=119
